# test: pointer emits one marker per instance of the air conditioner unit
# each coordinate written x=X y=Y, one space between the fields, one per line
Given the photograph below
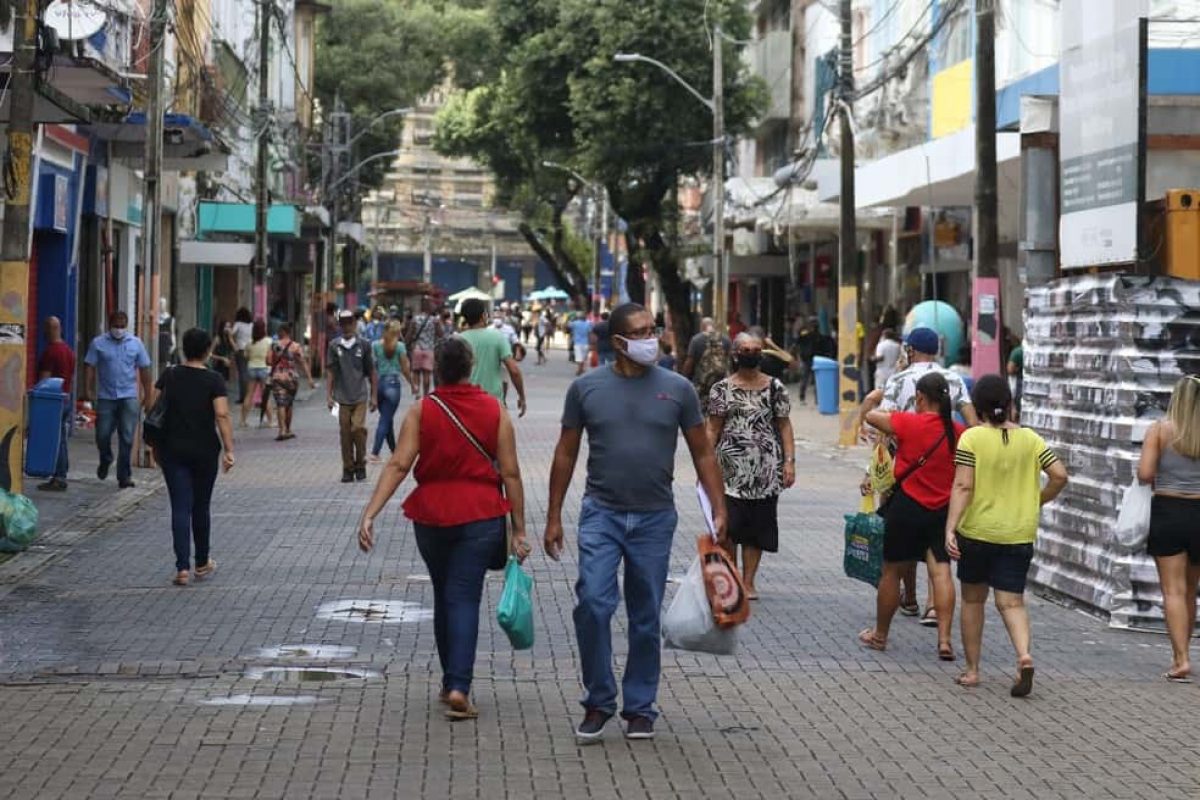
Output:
x=1183 y=233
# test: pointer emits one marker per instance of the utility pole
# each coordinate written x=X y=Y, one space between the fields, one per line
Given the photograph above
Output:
x=987 y=324
x=720 y=268
x=152 y=195
x=14 y=250
x=427 y=249
x=849 y=368
x=601 y=243
x=263 y=196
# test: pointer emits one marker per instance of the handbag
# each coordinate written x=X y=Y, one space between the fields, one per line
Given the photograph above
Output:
x=886 y=500
x=1133 y=522
x=499 y=559
x=514 y=611
x=154 y=426
x=862 y=559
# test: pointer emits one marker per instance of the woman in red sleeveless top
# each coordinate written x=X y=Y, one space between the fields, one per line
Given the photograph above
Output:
x=457 y=508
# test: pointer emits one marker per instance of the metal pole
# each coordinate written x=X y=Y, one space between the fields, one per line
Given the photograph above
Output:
x=152 y=182
x=601 y=241
x=720 y=268
x=263 y=136
x=14 y=251
x=427 y=250
x=848 y=277
x=986 y=202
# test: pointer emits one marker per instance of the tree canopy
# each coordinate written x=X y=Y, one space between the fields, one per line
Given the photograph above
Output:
x=556 y=94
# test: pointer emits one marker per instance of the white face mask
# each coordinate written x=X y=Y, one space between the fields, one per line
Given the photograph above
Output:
x=117 y=333
x=642 y=351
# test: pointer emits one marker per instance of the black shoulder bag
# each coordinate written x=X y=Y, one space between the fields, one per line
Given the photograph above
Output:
x=886 y=501
x=498 y=559
x=154 y=426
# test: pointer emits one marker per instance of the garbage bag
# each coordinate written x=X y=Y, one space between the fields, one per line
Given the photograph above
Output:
x=18 y=521
x=514 y=612
x=1133 y=523
x=863 y=558
x=689 y=624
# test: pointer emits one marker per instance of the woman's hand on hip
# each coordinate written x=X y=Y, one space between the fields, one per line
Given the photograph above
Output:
x=366 y=534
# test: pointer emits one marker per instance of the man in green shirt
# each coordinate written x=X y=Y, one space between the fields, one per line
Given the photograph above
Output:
x=492 y=350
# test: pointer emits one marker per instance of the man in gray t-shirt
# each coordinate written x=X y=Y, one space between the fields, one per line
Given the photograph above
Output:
x=353 y=384
x=633 y=412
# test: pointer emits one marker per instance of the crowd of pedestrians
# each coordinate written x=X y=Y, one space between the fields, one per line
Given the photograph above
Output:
x=967 y=483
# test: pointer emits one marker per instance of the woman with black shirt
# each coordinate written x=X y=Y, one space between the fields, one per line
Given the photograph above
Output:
x=197 y=408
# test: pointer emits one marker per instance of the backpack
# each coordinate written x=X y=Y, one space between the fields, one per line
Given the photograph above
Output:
x=712 y=367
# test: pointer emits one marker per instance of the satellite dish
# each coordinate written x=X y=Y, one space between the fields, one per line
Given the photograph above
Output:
x=74 y=20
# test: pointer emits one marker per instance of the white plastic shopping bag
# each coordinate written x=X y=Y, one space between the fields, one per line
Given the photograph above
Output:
x=1133 y=523
x=688 y=623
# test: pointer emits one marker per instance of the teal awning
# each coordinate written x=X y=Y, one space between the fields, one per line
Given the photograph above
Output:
x=214 y=218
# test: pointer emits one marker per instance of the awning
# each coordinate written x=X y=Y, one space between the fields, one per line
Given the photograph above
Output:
x=238 y=218
x=187 y=143
x=69 y=87
x=216 y=254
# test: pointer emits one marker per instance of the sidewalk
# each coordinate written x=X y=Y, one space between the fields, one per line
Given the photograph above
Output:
x=115 y=684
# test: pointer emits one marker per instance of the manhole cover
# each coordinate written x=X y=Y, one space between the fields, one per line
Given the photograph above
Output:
x=376 y=611
x=324 y=652
x=308 y=674
x=261 y=700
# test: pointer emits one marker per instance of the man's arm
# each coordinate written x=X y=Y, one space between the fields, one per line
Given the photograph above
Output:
x=518 y=382
x=89 y=380
x=704 y=458
x=566 y=454
x=147 y=387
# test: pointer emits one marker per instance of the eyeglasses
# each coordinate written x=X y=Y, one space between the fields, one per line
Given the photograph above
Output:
x=640 y=333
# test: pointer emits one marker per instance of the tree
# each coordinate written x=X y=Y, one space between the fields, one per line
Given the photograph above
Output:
x=560 y=96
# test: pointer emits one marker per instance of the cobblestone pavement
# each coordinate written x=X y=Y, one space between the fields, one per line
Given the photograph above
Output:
x=115 y=684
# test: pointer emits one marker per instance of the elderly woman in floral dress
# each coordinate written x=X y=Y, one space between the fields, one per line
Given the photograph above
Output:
x=750 y=427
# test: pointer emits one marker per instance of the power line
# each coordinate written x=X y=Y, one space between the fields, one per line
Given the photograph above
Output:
x=894 y=72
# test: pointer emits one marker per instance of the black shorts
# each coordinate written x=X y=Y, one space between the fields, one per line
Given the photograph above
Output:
x=912 y=530
x=1174 y=528
x=754 y=523
x=1001 y=566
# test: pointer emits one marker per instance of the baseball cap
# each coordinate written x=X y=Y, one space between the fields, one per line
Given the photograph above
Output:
x=345 y=314
x=923 y=340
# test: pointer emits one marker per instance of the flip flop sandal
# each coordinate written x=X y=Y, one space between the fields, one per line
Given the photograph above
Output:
x=1177 y=678
x=910 y=610
x=946 y=652
x=869 y=640
x=1024 y=683
x=460 y=711
x=181 y=578
x=207 y=570
x=929 y=619
x=962 y=681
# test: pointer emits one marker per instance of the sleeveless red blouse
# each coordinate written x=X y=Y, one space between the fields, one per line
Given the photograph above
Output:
x=455 y=483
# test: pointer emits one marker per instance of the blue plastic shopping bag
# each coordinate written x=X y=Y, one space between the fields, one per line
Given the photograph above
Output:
x=514 y=612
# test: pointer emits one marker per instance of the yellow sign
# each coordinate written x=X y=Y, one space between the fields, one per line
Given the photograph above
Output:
x=952 y=107
x=848 y=366
x=14 y=292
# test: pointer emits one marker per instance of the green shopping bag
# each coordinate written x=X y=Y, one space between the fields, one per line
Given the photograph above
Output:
x=863 y=558
x=18 y=522
x=514 y=612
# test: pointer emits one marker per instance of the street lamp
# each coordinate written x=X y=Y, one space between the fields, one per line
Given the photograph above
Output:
x=395 y=112
x=600 y=198
x=717 y=106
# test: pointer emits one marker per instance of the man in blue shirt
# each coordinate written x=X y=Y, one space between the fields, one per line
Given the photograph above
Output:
x=581 y=330
x=633 y=412
x=115 y=368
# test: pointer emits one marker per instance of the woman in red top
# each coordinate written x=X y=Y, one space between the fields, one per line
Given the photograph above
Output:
x=916 y=517
x=457 y=508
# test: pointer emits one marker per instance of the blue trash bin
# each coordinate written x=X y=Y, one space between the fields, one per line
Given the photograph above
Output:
x=47 y=404
x=826 y=371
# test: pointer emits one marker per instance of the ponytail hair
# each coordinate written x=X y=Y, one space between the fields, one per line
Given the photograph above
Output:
x=993 y=401
x=935 y=389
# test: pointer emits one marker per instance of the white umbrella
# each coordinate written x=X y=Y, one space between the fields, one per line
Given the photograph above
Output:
x=470 y=293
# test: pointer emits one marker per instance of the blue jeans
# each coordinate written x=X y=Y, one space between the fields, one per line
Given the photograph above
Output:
x=643 y=539
x=190 y=486
x=457 y=559
x=389 y=402
x=60 y=467
x=123 y=417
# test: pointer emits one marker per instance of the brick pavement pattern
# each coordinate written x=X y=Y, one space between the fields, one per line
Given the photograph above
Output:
x=115 y=684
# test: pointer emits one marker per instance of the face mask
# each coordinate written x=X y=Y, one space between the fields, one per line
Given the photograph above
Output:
x=748 y=361
x=641 y=351
x=117 y=333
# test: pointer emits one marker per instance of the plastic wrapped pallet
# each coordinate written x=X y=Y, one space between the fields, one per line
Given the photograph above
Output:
x=1102 y=353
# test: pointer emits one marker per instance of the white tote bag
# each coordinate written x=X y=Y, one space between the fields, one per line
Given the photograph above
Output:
x=1133 y=523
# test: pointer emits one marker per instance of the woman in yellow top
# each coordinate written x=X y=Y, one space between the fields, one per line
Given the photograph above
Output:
x=994 y=509
x=256 y=367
